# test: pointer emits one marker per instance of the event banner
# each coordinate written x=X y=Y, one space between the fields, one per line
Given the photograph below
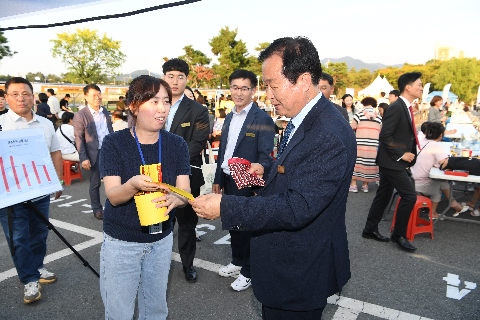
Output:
x=27 y=170
x=446 y=90
x=426 y=89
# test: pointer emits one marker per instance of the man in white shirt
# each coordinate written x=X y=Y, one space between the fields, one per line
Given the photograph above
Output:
x=91 y=125
x=53 y=103
x=28 y=245
x=248 y=133
x=66 y=137
x=118 y=122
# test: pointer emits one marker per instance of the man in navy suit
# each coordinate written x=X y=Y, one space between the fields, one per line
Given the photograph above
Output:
x=248 y=132
x=91 y=125
x=299 y=249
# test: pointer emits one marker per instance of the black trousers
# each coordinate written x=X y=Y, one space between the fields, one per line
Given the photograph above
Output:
x=279 y=314
x=187 y=221
x=95 y=185
x=240 y=240
x=390 y=179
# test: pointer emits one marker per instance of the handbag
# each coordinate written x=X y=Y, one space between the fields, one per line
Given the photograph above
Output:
x=208 y=171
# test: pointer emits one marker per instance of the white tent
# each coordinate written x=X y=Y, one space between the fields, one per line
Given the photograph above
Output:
x=378 y=85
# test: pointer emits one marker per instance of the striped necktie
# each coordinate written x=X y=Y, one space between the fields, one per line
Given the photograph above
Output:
x=286 y=136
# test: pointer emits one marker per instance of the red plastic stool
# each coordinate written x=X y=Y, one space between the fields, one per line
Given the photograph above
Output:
x=68 y=174
x=416 y=224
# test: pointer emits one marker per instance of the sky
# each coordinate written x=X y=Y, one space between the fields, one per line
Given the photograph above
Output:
x=374 y=31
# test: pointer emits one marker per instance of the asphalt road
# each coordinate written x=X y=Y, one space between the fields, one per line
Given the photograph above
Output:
x=386 y=282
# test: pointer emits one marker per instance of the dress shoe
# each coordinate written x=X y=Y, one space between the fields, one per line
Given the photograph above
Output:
x=190 y=274
x=375 y=235
x=198 y=239
x=98 y=215
x=403 y=243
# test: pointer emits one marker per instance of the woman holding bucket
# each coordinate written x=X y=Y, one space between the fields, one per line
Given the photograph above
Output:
x=137 y=244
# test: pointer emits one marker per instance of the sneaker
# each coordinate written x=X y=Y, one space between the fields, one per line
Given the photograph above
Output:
x=46 y=276
x=230 y=271
x=242 y=283
x=32 y=292
x=365 y=188
x=353 y=189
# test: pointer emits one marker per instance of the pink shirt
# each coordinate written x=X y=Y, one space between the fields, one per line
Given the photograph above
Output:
x=432 y=153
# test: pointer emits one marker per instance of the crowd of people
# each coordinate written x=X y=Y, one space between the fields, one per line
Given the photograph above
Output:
x=279 y=232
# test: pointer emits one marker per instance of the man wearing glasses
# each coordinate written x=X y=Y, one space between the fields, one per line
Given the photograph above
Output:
x=28 y=234
x=187 y=119
x=325 y=84
x=248 y=133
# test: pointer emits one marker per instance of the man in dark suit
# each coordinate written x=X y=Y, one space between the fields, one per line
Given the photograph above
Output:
x=248 y=132
x=299 y=249
x=327 y=87
x=91 y=125
x=397 y=151
x=187 y=119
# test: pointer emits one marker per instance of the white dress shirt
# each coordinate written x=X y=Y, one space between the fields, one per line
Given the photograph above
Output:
x=100 y=124
x=236 y=124
x=173 y=111
x=298 y=119
x=67 y=147
x=54 y=104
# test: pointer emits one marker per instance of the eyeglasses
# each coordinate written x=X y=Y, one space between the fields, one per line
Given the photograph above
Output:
x=179 y=78
x=242 y=89
x=15 y=96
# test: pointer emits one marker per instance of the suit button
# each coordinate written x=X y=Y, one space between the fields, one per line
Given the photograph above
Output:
x=235 y=228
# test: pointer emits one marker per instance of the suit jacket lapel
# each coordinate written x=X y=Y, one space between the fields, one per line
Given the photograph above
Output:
x=181 y=112
x=109 y=121
x=407 y=111
x=246 y=124
x=224 y=135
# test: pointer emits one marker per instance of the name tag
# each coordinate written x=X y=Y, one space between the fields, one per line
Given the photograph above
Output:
x=249 y=134
x=186 y=124
x=281 y=169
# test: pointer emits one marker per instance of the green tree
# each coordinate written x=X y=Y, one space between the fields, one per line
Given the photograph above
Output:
x=360 y=79
x=339 y=72
x=4 y=49
x=200 y=75
x=232 y=53
x=5 y=77
x=89 y=57
x=31 y=77
x=463 y=74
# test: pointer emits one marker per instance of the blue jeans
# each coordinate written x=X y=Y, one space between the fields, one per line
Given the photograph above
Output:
x=128 y=268
x=29 y=238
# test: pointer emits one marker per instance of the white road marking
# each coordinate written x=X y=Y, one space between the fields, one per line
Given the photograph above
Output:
x=96 y=235
x=87 y=206
x=200 y=226
x=62 y=197
x=348 y=309
x=69 y=204
x=453 y=283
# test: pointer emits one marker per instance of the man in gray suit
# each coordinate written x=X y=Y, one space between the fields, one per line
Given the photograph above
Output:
x=91 y=125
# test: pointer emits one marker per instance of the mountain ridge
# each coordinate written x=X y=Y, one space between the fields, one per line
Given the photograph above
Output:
x=359 y=64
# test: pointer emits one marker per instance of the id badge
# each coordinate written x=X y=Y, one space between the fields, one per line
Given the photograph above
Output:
x=155 y=228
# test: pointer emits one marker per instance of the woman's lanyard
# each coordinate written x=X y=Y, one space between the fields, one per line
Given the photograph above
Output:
x=159 y=147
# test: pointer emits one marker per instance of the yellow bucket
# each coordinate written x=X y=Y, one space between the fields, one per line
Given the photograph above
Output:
x=147 y=213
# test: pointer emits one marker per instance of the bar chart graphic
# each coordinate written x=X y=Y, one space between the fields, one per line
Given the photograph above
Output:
x=26 y=167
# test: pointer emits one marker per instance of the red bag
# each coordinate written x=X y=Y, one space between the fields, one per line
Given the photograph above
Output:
x=239 y=171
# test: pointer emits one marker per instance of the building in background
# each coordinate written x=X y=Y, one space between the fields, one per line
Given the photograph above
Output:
x=444 y=53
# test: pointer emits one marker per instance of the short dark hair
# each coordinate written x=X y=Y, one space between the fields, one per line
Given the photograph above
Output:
x=118 y=114
x=406 y=79
x=434 y=130
x=369 y=101
x=144 y=88
x=298 y=56
x=435 y=99
x=51 y=91
x=66 y=96
x=121 y=97
x=67 y=116
x=382 y=94
x=17 y=80
x=222 y=113
x=384 y=106
x=91 y=86
x=176 y=64
x=396 y=93
x=423 y=127
x=326 y=77
x=2 y=93
x=244 y=74
x=43 y=97
x=188 y=88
